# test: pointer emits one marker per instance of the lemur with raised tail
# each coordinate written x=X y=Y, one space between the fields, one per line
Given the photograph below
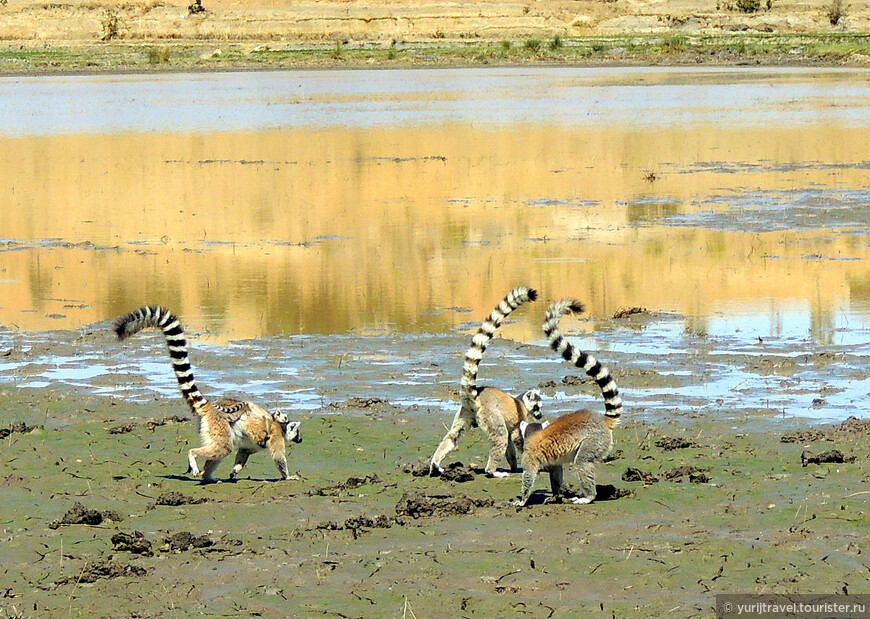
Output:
x=224 y=425
x=496 y=412
x=584 y=437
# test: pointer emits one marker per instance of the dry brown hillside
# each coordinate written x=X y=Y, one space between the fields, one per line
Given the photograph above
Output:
x=28 y=24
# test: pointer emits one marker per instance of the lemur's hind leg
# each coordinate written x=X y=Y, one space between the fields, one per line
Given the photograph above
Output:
x=556 y=480
x=514 y=447
x=586 y=475
x=461 y=422
x=212 y=454
x=242 y=456
x=208 y=469
x=495 y=429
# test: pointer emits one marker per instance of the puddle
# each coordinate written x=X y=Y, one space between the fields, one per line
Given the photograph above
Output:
x=669 y=369
x=327 y=235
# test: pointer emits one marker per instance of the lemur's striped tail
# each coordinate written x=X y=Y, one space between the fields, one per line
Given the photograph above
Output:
x=584 y=361
x=512 y=301
x=163 y=319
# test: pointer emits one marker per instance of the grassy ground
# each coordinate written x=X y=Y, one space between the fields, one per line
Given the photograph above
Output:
x=719 y=49
x=714 y=509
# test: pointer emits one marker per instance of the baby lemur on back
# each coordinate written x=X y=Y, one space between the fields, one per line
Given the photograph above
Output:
x=224 y=425
x=583 y=437
x=496 y=412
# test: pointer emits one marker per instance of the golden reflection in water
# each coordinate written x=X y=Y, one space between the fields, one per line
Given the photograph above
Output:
x=328 y=231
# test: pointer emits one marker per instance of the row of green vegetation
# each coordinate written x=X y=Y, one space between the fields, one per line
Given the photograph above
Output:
x=736 y=48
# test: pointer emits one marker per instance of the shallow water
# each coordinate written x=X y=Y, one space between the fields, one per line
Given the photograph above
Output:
x=731 y=203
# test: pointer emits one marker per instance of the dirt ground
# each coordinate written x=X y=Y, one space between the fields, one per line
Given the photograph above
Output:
x=100 y=520
x=108 y=36
x=386 y=21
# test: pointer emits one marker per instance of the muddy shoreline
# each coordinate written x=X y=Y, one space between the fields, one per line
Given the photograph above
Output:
x=697 y=499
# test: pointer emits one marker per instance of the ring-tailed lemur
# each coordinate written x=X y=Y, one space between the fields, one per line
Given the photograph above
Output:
x=583 y=437
x=498 y=413
x=224 y=425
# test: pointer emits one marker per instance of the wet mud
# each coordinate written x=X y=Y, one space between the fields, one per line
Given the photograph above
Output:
x=99 y=515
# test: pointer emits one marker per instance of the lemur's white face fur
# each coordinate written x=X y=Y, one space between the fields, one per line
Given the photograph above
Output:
x=530 y=429
x=291 y=428
x=533 y=402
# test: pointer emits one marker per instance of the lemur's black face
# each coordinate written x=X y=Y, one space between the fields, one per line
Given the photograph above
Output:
x=528 y=430
x=291 y=428
x=293 y=432
x=534 y=403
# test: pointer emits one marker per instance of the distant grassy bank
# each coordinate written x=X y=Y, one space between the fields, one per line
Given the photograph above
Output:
x=837 y=49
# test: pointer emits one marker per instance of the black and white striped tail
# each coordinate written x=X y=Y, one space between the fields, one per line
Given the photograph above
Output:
x=163 y=319
x=587 y=363
x=512 y=301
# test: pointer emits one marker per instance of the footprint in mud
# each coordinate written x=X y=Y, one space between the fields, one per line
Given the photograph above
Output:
x=174 y=499
x=79 y=514
x=126 y=428
x=92 y=572
x=352 y=483
x=358 y=525
x=670 y=443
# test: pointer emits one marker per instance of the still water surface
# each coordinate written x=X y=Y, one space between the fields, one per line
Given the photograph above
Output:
x=313 y=202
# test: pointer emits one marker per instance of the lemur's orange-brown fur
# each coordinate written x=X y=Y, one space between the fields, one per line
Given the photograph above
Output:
x=224 y=425
x=497 y=413
x=584 y=437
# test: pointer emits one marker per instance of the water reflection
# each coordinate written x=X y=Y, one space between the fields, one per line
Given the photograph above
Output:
x=371 y=222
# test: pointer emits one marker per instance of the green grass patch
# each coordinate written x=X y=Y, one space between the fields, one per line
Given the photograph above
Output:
x=718 y=49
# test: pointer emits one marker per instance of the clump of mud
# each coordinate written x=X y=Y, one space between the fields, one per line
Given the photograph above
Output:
x=184 y=540
x=458 y=472
x=420 y=468
x=455 y=471
x=174 y=499
x=854 y=425
x=103 y=569
x=439 y=505
x=625 y=312
x=134 y=542
x=18 y=427
x=833 y=456
x=79 y=514
x=179 y=542
x=670 y=443
x=358 y=525
x=352 y=483
x=125 y=428
x=803 y=436
x=633 y=474
x=696 y=475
